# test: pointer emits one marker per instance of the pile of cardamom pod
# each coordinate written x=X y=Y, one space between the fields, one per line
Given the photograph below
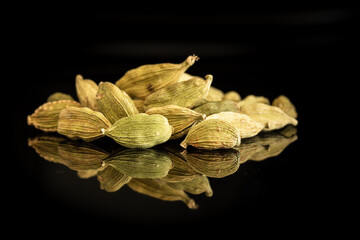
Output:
x=154 y=103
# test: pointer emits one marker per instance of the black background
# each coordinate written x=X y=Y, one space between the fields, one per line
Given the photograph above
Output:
x=303 y=52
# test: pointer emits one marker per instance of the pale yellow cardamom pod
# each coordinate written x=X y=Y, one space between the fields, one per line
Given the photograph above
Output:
x=214 y=107
x=250 y=99
x=82 y=123
x=114 y=103
x=144 y=80
x=46 y=116
x=233 y=96
x=246 y=126
x=180 y=118
x=184 y=94
x=57 y=96
x=286 y=105
x=270 y=116
x=86 y=90
x=214 y=94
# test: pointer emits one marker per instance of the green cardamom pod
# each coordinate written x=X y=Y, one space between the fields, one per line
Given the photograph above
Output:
x=184 y=94
x=140 y=130
x=146 y=79
x=86 y=90
x=214 y=107
x=114 y=103
x=286 y=105
x=59 y=96
x=233 y=96
x=250 y=99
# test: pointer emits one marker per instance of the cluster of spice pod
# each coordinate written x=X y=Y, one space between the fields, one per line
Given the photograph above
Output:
x=154 y=103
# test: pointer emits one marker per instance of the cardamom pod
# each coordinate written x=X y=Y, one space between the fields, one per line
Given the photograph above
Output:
x=111 y=180
x=250 y=99
x=86 y=90
x=184 y=94
x=139 y=104
x=146 y=79
x=286 y=105
x=213 y=107
x=46 y=116
x=140 y=130
x=180 y=118
x=56 y=96
x=157 y=188
x=233 y=96
x=246 y=126
x=82 y=123
x=270 y=116
x=114 y=103
x=212 y=134
x=214 y=94
x=141 y=163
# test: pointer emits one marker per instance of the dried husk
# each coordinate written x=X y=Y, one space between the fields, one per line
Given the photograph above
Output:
x=180 y=118
x=214 y=94
x=82 y=123
x=270 y=116
x=216 y=163
x=114 y=103
x=232 y=95
x=198 y=185
x=212 y=134
x=86 y=90
x=144 y=80
x=111 y=180
x=246 y=126
x=139 y=104
x=250 y=99
x=286 y=105
x=214 y=107
x=184 y=94
x=46 y=116
x=160 y=189
x=140 y=130
x=57 y=96
x=141 y=163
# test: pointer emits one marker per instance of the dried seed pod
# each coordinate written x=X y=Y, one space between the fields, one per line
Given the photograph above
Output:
x=250 y=99
x=114 y=103
x=140 y=130
x=286 y=105
x=46 y=116
x=198 y=185
x=216 y=163
x=212 y=134
x=214 y=107
x=160 y=189
x=111 y=180
x=86 y=90
x=184 y=94
x=139 y=104
x=246 y=126
x=186 y=76
x=180 y=118
x=214 y=94
x=272 y=117
x=141 y=163
x=144 y=80
x=233 y=96
x=57 y=96
x=82 y=123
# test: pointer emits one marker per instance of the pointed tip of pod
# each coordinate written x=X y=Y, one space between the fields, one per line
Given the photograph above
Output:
x=183 y=144
x=78 y=77
x=29 y=120
x=190 y=60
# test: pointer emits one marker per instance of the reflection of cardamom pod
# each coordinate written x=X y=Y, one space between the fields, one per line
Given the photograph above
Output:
x=46 y=116
x=212 y=134
x=144 y=80
x=199 y=184
x=272 y=117
x=180 y=118
x=286 y=105
x=114 y=103
x=184 y=94
x=82 y=123
x=213 y=107
x=160 y=189
x=246 y=126
x=141 y=163
x=46 y=147
x=215 y=163
x=57 y=96
x=111 y=180
x=140 y=130
x=86 y=90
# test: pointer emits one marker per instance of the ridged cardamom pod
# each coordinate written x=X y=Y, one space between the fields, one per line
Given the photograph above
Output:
x=111 y=180
x=157 y=188
x=46 y=116
x=214 y=94
x=250 y=99
x=270 y=116
x=212 y=134
x=286 y=105
x=114 y=103
x=246 y=126
x=180 y=118
x=140 y=130
x=184 y=94
x=213 y=107
x=233 y=96
x=141 y=163
x=57 y=96
x=82 y=123
x=144 y=80
x=86 y=90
